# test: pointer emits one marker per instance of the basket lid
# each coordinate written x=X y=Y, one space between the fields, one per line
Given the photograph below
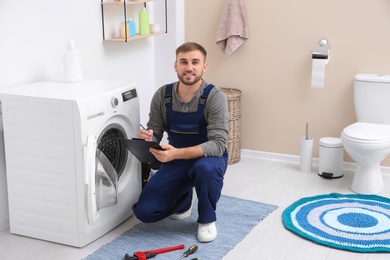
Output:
x=232 y=92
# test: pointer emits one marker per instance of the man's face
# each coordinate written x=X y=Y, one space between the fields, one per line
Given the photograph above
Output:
x=190 y=67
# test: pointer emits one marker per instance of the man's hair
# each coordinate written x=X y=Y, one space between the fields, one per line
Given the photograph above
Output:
x=191 y=46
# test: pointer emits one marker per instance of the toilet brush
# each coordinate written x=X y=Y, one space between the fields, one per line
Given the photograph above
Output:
x=307 y=131
x=306 y=152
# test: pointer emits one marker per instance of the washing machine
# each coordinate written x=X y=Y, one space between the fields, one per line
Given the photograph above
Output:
x=69 y=179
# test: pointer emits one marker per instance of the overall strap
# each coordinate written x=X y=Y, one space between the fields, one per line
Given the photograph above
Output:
x=205 y=95
x=168 y=94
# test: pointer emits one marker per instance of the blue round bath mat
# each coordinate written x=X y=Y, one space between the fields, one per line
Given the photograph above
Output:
x=353 y=222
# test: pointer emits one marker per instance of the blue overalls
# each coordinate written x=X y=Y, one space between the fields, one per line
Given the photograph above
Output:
x=169 y=191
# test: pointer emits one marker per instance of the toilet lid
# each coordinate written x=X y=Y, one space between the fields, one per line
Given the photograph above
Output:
x=367 y=132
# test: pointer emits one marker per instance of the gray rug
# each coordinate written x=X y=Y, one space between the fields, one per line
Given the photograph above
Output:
x=235 y=219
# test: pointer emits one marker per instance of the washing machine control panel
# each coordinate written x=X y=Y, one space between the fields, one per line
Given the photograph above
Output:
x=132 y=93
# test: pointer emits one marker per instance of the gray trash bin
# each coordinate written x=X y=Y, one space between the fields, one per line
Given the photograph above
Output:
x=330 y=157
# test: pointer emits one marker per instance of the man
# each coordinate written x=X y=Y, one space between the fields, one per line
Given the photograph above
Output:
x=195 y=116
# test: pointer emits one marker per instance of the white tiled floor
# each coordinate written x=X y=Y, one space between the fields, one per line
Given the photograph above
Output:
x=268 y=181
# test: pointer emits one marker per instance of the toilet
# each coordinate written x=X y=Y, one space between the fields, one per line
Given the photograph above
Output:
x=368 y=140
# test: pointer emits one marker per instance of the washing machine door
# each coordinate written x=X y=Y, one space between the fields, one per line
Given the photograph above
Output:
x=106 y=182
x=101 y=181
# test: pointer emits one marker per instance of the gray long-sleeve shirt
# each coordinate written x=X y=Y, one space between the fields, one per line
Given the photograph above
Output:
x=216 y=114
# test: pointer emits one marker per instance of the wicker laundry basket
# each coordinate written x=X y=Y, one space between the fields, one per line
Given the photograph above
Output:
x=234 y=141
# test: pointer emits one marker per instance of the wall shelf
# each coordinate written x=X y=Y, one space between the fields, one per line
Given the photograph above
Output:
x=124 y=4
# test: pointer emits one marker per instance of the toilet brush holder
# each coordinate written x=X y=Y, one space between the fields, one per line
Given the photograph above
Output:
x=306 y=154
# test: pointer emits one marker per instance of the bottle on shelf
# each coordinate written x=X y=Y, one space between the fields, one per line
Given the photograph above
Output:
x=144 y=26
x=72 y=64
x=130 y=26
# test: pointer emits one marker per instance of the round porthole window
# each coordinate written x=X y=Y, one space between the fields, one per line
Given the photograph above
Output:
x=108 y=142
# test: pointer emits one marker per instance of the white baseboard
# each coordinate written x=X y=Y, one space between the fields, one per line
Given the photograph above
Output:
x=347 y=166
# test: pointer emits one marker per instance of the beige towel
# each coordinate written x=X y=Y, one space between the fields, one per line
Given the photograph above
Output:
x=233 y=29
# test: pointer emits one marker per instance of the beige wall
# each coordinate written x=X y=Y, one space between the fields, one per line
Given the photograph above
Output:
x=273 y=68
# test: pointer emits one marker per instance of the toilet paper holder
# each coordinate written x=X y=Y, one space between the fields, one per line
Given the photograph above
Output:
x=321 y=50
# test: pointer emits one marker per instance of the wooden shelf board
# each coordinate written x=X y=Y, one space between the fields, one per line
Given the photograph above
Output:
x=128 y=2
x=136 y=37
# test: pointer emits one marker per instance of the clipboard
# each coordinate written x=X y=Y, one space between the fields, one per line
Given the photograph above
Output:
x=140 y=149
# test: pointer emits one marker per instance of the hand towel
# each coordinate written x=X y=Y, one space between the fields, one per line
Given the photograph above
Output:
x=233 y=29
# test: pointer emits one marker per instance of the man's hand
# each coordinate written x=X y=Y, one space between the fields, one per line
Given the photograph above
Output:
x=145 y=134
x=171 y=153
x=164 y=156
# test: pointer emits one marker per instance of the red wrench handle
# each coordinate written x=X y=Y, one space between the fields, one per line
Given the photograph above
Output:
x=166 y=249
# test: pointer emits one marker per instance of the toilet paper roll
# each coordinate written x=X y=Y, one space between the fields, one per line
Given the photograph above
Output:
x=318 y=73
x=306 y=154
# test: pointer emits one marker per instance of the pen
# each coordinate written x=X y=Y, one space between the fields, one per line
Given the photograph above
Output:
x=142 y=127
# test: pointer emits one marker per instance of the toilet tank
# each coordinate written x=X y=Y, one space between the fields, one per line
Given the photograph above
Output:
x=372 y=98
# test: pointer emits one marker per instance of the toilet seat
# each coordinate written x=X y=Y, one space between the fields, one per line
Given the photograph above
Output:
x=360 y=132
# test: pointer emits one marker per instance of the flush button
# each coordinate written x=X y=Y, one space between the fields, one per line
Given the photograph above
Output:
x=114 y=102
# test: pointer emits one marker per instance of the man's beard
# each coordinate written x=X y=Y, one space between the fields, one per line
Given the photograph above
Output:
x=189 y=81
